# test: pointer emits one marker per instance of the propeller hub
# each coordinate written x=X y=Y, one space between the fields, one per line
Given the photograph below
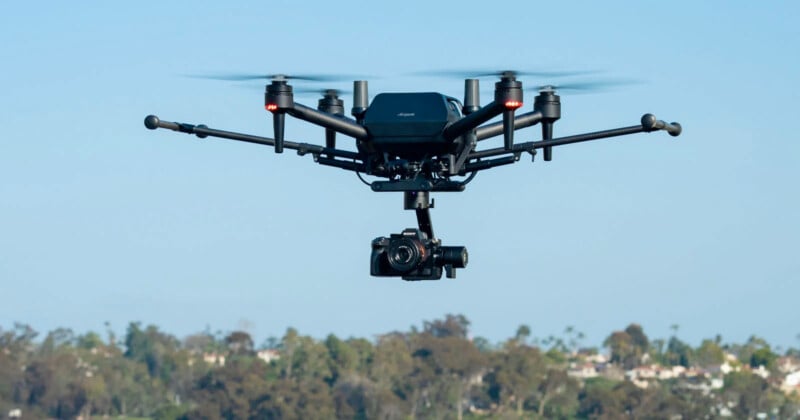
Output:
x=508 y=75
x=278 y=96
x=549 y=104
x=508 y=91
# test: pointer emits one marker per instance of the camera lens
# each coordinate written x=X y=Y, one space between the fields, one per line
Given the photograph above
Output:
x=405 y=254
x=454 y=255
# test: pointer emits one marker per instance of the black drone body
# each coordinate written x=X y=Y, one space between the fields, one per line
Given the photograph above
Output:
x=417 y=143
x=410 y=126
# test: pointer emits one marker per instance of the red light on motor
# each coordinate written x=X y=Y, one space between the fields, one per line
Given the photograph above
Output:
x=513 y=104
x=271 y=107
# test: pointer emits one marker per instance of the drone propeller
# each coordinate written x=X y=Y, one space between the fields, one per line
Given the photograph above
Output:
x=549 y=104
x=238 y=77
x=323 y=92
x=585 y=87
x=502 y=73
x=303 y=90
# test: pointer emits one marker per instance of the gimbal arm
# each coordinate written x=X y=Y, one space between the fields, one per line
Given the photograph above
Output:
x=152 y=122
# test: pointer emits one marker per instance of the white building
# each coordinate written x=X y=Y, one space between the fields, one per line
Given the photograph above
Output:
x=268 y=355
x=216 y=359
x=596 y=358
x=791 y=383
x=761 y=371
x=788 y=364
x=582 y=371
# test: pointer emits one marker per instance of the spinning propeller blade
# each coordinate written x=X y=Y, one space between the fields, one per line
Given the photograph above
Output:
x=585 y=87
x=239 y=77
x=322 y=92
x=500 y=73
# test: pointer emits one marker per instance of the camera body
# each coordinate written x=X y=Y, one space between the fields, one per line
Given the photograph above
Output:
x=413 y=256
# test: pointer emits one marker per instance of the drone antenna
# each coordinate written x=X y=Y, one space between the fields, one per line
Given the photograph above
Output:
x=472 y=101
x=360 y=100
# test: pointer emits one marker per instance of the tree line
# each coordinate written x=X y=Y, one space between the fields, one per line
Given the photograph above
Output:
x=436 y=371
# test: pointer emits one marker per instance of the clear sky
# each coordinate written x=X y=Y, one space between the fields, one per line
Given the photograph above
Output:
x=103 y=220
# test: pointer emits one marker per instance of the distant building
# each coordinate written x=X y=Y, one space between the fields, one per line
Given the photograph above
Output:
x=788 y=364
x=610 y=371
x=216 y=359
x=694 y=372
x=792 y=379
x=582 y=371
x=761 y=371
x=596 y=358
x=641 y=373
x=268 y=355
x=791 y=383
x=669 y=372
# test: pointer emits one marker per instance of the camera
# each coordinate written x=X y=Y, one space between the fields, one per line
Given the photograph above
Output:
x=413 y=256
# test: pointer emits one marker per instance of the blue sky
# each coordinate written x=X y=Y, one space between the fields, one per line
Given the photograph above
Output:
x=102 y=220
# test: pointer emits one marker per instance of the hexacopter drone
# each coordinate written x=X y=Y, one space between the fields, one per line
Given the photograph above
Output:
x=420 y=143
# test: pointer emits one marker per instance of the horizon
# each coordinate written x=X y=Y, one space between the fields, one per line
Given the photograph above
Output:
x=103 y=220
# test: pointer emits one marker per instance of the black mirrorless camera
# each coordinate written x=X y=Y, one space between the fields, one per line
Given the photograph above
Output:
x=414 y=256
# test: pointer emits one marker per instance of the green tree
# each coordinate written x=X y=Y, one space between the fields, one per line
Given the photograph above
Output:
x=517 y=373
x=678 y=353
x=153 y=348
x=57 y=339
x=523 y=332
x=747 y=393
x=231 y=391
x=638 y=338
x=394 y=373
x=55 y=383
x=342 y=359
x=599 y=399
x=239 y=343
x=89 y=341
x=201 y=343
x=445 y=367
x=709 y=353
x=286 y=399
x=764 y=357
x=288 y=347
x=623 y=349
x=556 y=395
x=450 y=326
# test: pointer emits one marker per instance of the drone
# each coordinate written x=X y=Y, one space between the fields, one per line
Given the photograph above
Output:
x=417 y=143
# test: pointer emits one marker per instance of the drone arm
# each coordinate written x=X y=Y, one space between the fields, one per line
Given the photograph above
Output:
x=520 y=121
x=473 y=120
x=532 y=145
x=481 y=165
x=152 y=122
x=341 y=164
x=336 y=123
x=649 y=124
